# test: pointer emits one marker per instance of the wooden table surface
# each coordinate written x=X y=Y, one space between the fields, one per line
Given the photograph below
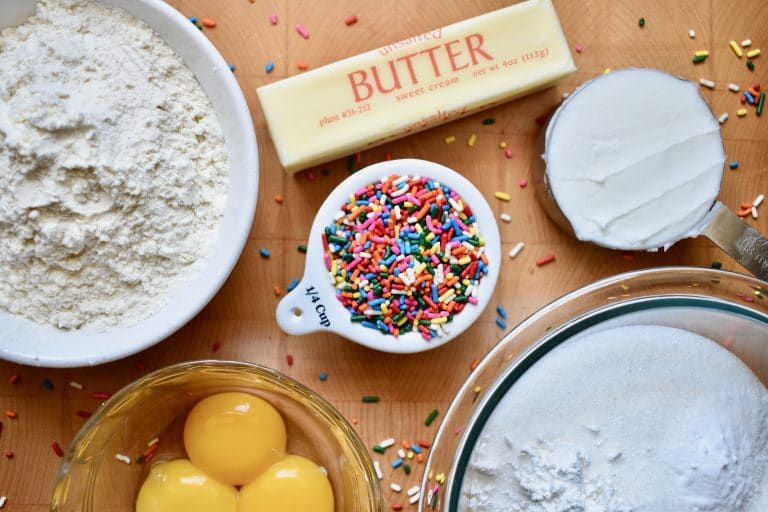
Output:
x=241 y=317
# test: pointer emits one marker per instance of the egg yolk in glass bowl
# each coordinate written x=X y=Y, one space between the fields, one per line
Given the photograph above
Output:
x=179 y=485
x=293 y=484
x=236 y=439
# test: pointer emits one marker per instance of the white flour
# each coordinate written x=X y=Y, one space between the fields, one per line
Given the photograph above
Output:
x=631 y=419
x=114 y=169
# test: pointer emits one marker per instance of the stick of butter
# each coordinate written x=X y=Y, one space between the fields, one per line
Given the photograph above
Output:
x=414 y=84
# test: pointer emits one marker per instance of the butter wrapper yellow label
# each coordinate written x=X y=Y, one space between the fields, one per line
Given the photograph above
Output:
x=411 y=85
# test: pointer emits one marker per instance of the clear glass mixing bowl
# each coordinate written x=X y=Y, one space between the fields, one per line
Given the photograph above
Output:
x=91 y=479
x=729 y=308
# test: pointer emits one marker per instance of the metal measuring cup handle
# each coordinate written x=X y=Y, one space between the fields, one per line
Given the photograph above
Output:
x=743 y=242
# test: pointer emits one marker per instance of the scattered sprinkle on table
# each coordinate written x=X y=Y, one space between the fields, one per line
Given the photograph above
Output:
x=516 y=250
x=750 y=65
x=264 y=252
x=301 y=248
x=47 y=384
x=501 y=311
x=746 y=42
x=579 y=48
x=13 y=379
x=505 y=217
x=733 y=87
x=545 y=260
x=707 y=83
x=370 y=399
x=123 y=458
x=503 y=196
x=698 y=59
x=760 y=104
x=753 y=53
x=489 y=121
x=502 y=144
x=208 y=22
x=302 y=65
x=701 y=53
x=734 y=164
x=508 y=153
x=323 y=377
x=232 y=67
x=273 y=18
x=523 y=183
x=377 y=468
x=405 y=255
x=12 y=414
x=431 y=417
x=736 y=49
x=293 y=284
x=692 y=34
x=57 y=449
x=641 y=22
x=350 y=20
x=741 y=112
x=269 y=67
x=3 y=501
x=76 y=385
x=279 y=198
x=723 y=117
x=277 y=291
x=449 y=139
x=472 y=139
x=758 y=200
x=303 y=32
x=501 y=323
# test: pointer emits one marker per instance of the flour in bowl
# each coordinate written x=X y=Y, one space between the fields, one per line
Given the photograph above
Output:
x=114 y=168
x=630 y=419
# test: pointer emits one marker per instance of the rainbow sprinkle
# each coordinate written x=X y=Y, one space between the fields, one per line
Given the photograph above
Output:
x=405 y=255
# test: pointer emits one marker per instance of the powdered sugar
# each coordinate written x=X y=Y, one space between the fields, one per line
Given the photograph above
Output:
x=115 y=169
x=632 y=419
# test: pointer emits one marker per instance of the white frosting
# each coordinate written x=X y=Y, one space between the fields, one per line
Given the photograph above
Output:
x=634 y=159
x=629 y=419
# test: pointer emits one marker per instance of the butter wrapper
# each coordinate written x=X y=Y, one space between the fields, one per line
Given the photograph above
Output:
x=414 y=84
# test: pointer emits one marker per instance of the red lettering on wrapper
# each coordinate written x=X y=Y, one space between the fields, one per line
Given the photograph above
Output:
x=361 y=83
x=476 y=49
x=390 y=76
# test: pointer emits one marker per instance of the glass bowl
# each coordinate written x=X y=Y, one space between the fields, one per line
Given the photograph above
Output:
x=92 y=479
x=729 y=308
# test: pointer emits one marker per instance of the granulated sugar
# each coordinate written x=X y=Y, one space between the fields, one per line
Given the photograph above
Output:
x=631 y=419
x=114 y=168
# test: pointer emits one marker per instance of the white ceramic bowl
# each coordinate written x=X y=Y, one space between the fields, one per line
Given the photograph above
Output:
x=26 y=342
x=303 y=311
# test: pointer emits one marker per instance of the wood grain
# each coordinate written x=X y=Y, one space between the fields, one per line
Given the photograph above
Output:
x=241 y=317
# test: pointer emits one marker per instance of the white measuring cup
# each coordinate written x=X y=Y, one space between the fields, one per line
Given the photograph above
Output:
x=731 y=233
x=313 y=307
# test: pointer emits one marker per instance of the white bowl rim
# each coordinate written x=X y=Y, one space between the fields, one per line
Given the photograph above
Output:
x=120 y=342
x=316 y=275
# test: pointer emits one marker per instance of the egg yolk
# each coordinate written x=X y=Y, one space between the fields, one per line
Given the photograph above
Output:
x=178 y=485
x=234 y=437
x=295 y=484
